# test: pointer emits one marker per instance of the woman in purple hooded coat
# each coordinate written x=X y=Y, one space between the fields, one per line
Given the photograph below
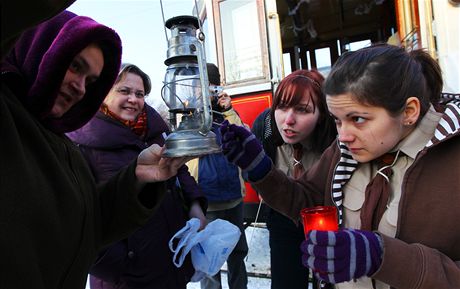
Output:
x=121 y=129
x=53 y=218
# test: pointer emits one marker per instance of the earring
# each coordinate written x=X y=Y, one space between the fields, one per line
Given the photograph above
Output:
x=409 y=123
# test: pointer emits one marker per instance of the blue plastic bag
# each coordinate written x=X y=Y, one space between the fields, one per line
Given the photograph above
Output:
x=209 y=247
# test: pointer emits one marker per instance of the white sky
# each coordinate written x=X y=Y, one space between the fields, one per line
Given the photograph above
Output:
x=140 y=26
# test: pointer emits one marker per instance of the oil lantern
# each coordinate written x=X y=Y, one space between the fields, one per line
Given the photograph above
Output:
x=186 y=92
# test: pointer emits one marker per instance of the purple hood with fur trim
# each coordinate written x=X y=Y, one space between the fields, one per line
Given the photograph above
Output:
x=37 y=64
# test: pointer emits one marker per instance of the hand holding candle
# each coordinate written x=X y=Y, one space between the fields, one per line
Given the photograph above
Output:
x=354 y=253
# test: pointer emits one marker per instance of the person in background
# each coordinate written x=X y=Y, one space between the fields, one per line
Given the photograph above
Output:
x=224 y=187
x=389 y=174
x=293 y=132
x=53 y=218
x=123 y=127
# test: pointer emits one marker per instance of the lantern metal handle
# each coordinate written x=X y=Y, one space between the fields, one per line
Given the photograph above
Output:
x=207 y=113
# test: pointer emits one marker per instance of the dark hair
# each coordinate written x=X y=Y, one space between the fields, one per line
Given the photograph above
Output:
x=291 y=90
x=386 y=76
x=213 y=74
x=131 y=68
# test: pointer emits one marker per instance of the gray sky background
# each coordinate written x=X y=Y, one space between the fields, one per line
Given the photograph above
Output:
x=140 y=26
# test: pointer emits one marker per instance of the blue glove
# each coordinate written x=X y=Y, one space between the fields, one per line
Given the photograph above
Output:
x=343 y=255
x=242 y=148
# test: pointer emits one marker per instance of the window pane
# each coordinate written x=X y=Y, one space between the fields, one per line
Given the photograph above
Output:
x=308 y=64
x=323 y=60
x=358 y=44
x=241 y=40
x=287 y=63
x=323 y=57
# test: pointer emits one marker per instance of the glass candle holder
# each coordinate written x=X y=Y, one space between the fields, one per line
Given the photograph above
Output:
x=322 y=218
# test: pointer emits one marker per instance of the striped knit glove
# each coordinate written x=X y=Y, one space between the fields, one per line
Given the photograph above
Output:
x=341 y=256
x=242 y=148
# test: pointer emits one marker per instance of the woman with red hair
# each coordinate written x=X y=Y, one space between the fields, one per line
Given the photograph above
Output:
x=294 y=133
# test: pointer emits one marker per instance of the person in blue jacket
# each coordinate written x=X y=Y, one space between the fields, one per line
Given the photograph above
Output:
x=224 y=187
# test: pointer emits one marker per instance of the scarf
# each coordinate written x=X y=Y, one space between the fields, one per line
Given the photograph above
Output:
x=377 y=193
x=138 y=126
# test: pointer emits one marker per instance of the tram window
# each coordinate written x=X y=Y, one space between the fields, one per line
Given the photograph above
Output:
x=242 y=48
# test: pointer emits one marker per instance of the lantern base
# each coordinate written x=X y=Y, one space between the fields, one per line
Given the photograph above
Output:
x=190 y=143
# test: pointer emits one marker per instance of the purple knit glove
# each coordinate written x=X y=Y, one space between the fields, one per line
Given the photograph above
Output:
x=242 y=148
x=343 y=255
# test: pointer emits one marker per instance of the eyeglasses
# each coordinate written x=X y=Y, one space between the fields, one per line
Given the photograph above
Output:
x=128 y=91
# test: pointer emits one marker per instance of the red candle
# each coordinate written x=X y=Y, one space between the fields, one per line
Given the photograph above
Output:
x=322 y=218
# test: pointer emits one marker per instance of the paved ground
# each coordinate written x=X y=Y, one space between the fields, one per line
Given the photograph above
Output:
x=253 y=283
